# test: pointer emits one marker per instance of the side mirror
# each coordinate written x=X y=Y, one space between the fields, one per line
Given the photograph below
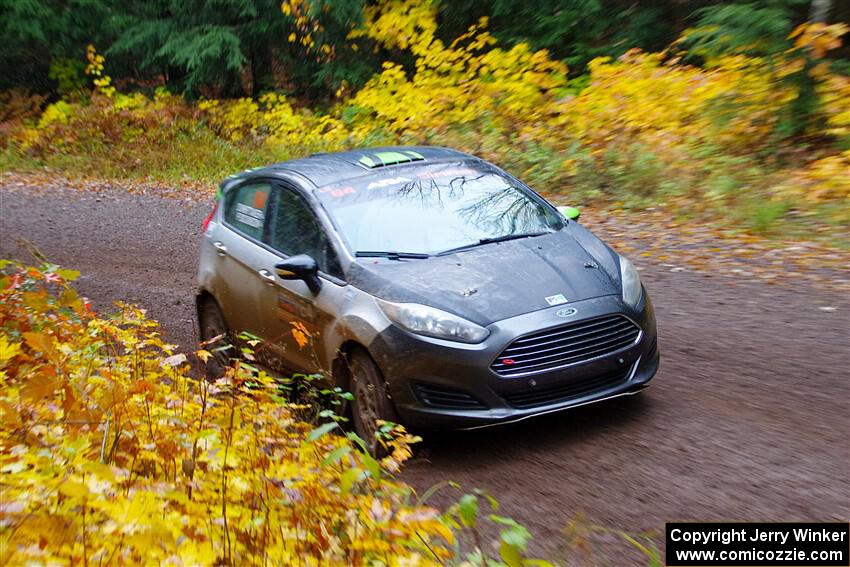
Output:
x=571 y=213
x=300 y=267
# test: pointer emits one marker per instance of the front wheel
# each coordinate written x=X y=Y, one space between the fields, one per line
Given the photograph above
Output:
x=371 y=401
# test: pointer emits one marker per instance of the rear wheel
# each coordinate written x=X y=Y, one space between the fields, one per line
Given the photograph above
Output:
x=217 y=338
x=371 y=401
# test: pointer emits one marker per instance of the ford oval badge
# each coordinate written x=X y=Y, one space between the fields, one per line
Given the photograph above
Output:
x=568 y=312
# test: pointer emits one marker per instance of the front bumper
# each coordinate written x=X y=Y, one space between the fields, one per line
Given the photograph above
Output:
x=409 y=362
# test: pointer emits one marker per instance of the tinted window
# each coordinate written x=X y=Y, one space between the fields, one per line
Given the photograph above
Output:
x=431 y=209
x=246 y=208
x=294 y=229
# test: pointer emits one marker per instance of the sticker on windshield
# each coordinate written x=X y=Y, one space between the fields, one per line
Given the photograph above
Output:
x=387 y=182
x=447 y=172
x=338 y=192
x=556 y=299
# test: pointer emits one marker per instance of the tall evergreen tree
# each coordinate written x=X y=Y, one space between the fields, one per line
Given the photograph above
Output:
x=40 y=34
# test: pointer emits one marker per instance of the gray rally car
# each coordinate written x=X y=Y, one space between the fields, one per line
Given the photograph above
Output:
x=438 y=289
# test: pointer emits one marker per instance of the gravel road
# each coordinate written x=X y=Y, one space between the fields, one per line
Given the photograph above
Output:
x=748 y=419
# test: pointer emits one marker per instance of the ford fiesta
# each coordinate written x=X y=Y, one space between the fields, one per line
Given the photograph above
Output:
x=437 y=288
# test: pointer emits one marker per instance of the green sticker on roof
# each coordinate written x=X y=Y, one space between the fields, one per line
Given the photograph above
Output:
x=390 y=158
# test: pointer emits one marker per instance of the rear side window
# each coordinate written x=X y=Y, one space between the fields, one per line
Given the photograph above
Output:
x=246 y=208
x=294 y=229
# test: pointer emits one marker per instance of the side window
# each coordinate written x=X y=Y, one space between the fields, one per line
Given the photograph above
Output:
x=246 y=208
x=294 y=229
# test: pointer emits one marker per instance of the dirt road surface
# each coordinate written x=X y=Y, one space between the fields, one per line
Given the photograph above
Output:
x=748 y=419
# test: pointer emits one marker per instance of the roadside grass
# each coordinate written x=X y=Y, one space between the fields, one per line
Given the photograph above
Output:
x=197 y=156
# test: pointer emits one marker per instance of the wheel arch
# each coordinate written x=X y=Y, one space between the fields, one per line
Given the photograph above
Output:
x=356 y=329
x=340 y=372
x=203 y=296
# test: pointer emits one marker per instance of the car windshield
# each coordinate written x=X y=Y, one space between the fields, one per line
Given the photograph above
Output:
x=433 y=209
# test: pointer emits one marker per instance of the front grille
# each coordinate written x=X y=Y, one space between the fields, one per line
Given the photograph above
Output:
x=553 y=394
x=568 y=344
x=446 y=398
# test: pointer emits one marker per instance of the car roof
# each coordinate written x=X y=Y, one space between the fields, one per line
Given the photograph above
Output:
x=324 y=169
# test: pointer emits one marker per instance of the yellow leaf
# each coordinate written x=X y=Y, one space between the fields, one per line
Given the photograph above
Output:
x=68 y=275
x=73 y=489
x=8 y=350
x=300 y=334
x=8 y=415
x=42 y=385
x=42 y=343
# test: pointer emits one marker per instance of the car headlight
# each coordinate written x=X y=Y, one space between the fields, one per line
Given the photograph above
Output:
x=432 y=322
x=631 y=282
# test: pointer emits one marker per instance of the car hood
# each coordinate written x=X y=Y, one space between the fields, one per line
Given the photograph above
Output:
x=496 y=281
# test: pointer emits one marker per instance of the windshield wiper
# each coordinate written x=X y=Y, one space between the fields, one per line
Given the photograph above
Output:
x=492 y=239
x=391 y=255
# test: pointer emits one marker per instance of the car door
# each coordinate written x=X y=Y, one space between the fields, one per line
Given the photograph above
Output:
x=295 y=317
x=238 y=242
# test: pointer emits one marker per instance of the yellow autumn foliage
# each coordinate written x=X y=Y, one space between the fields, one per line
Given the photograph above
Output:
x=834 y=92
x=461 y=86
x=824 y=180
x=110 y=453
x=643 y=97
x=276 y=121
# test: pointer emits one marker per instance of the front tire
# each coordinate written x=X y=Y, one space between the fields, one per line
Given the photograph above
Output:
x=371 y=401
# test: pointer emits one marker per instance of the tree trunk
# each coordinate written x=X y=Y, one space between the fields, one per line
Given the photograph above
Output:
x=820 y=11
